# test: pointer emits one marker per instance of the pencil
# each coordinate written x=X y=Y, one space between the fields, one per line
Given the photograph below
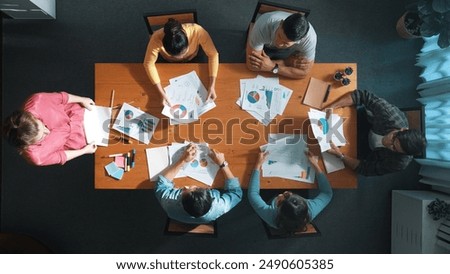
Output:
x=112 y=97
x=114 y=155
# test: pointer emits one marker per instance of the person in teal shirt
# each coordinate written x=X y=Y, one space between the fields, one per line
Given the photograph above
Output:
x=197 y=205
x=288 y=211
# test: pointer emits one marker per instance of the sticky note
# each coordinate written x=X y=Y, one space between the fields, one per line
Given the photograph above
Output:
x=120 y=161
x=114 y=171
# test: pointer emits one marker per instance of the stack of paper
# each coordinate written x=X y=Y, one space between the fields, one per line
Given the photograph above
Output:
x=189 y=99
x=202 y=168
x=287 y=158
x=135 y=123
x=264 y=98
x=327 y=129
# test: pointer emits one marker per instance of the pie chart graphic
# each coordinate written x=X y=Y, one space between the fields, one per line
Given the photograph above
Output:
x=194 y=164
x=203 y=162
x=178 y=111
x=253 y=97
x=323 y=124
x=129 y=114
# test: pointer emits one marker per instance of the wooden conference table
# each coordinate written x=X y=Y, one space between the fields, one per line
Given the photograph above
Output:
x=226 y=128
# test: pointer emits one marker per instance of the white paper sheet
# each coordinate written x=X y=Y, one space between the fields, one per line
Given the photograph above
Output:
x=287 y=159
x=157 y=161
x=327 y=130
x=332 y=163
x=96 y=125
x=263 y=98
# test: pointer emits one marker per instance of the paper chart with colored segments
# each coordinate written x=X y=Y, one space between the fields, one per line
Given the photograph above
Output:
x=183 y=103
x=191 y=79
x=202 y=168
x=327 y=130
x=287 y=158
x=135 y=123
x=263 y=98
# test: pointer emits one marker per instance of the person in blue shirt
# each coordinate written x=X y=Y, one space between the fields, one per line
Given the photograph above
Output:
x=192 y=204
x=288 y=211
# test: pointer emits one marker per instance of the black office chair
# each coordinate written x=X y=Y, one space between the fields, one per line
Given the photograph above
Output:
x=176 y=228
x=272 y=233
x=266 y=6
x=156 y=20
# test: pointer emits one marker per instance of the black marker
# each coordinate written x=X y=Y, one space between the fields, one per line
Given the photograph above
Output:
x=327 y=93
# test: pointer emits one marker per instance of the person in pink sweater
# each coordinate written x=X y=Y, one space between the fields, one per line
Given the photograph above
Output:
x=49 y=128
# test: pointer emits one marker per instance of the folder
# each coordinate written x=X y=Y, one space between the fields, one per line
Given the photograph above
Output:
x=317 y=93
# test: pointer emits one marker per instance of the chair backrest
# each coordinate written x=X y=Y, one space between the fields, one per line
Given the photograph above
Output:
x=176 y=228
x=272 y=233
x=266 y=6
x=156 y=20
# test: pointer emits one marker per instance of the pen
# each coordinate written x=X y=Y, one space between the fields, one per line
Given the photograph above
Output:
x=133 y=154
x=327 y=93
x=114 y=155
x=128 y=162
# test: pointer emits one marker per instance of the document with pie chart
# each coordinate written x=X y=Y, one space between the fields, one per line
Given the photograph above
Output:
x=135 y=123
x=327 y=129
x=202 y=168
x=183 y=103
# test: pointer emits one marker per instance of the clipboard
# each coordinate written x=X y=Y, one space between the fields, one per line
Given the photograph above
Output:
x=317 y=93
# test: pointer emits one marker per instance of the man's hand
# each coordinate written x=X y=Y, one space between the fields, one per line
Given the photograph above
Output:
x=261 y=62
x=334 y=150
x=189 y=153
x=217 y=157
x=344 y=101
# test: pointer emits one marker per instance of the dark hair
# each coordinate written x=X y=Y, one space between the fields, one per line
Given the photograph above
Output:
x=175 y=40
x=412 y=141
x=20 y=129
x=293 y=214
x=295 y=26
x=197 y=202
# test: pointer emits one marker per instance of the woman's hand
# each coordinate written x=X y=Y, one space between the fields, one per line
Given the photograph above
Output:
x=87 y=102
x=262 y=157
x=90 y=148
x=212 y=94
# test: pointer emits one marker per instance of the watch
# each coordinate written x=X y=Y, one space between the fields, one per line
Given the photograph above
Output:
x=224 y=164
x=275 y=69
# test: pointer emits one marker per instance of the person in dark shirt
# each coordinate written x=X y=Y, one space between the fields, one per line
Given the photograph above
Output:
x=392 y=145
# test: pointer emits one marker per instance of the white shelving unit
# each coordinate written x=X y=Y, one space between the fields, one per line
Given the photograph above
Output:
x=29 y=9
x=413 y=230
